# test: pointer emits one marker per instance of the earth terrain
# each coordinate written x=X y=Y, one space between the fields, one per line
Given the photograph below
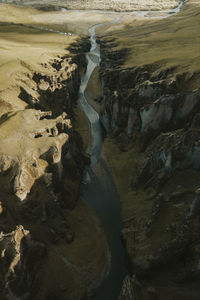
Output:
x=150 y=110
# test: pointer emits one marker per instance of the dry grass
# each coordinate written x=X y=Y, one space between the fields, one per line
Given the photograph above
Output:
x=125 y=163
x=26 y=49
x=173 y=41
x=76 y=22
x=23 y=51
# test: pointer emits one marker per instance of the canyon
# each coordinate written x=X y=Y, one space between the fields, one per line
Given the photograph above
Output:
x=79 y=133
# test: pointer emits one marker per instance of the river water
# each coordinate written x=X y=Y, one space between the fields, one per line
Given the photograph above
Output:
x=98 y=189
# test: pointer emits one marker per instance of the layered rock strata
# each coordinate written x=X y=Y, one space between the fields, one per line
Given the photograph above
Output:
x=47 y=233
x=152 y=113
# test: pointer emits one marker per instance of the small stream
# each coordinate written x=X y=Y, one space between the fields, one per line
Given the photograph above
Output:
x=98 y=188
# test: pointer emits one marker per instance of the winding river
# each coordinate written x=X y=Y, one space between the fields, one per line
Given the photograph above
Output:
x=98 y=189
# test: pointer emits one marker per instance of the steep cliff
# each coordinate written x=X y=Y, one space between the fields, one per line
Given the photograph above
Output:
x=47 y=233
x=151 y=113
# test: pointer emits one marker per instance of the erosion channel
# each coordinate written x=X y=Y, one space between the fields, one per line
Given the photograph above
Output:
x=98 y=188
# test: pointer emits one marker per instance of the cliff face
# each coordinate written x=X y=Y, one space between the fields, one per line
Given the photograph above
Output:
x=47 y=233
x=151 y=113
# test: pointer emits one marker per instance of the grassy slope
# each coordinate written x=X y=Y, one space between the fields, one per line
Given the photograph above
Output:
x=173 y=41
x=23 y=51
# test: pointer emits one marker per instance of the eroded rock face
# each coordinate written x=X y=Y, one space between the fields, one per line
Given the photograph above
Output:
x=153 y=115
x=20 y=259
x=29 y=142
x=45 y=252
x=170 y=152
x=57 y=89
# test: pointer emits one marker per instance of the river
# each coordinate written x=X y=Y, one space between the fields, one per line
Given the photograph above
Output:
x=98 y=189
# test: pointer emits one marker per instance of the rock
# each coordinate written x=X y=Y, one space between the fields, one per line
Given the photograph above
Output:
x=17 y=250
x=195 y=205
x=197 y=192
x=25 y=155
x=1 y=208
x=152 y=293
x=39 y=154
x=127 y=292
x=158 y=110
x=169 y=152
x=48 y=177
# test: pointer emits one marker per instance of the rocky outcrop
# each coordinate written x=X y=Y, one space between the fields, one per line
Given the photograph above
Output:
x=58 y=90
x=29 y=142
x=45 y=251
x=20 y=260
x=153 y=112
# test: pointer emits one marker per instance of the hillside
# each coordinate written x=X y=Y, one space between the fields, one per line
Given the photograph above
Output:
x=151 y=76
x=118 y=5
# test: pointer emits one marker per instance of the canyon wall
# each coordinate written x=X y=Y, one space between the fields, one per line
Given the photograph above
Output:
x=47 y=233
x=151 y=114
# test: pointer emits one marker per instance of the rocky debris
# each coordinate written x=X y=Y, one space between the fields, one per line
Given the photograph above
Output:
x=195 y=204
